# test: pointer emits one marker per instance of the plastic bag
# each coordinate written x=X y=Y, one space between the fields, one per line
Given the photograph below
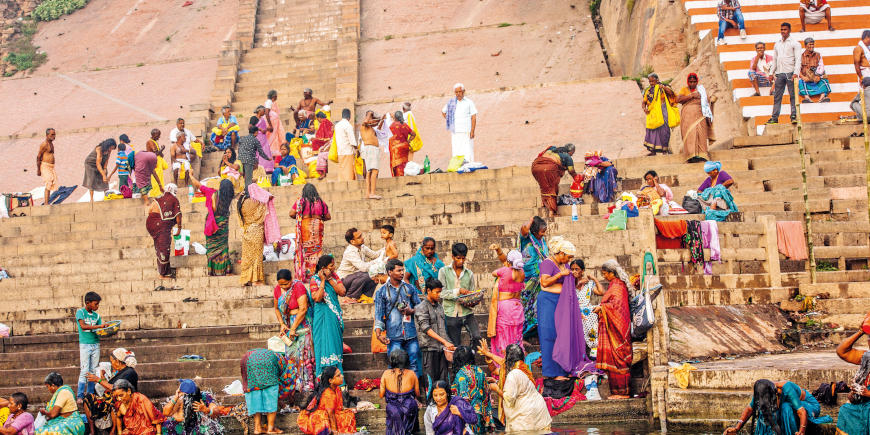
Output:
x=198 y=248
x=269 y=253
x=182 y=243
x=333 y=151
x=617 y=220
x=642 y=314
x=692 y=206
x=235 y=388
x=591 y=383
x=4 y=330
x=359 y=166
x=455 y=163
x=413 y=168
x=377 y=346
x=101 y=368
x=39 y=422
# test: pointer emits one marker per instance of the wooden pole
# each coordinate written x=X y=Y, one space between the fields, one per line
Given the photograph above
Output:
x=866 y=140
x=803 y=151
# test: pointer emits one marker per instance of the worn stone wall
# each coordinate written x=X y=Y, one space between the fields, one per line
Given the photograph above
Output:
x=11 y=12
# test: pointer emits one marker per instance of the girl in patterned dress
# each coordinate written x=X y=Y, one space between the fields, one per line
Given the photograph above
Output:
x=586 y=286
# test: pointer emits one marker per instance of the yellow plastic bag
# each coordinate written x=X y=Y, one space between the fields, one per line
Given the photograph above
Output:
x=455 y=163
x=312 y=170
x=682 y=374
x=333 y=151
x=417 y=143
x=359 y=165
x=197 y=146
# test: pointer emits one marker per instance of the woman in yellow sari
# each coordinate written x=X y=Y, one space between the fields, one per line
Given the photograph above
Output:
x=252 y=217
x=61 y=412
x=659 y=104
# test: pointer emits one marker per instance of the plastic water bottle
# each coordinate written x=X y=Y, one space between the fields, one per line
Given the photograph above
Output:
x=190 y=193
x=426 y=165
x=574 y=216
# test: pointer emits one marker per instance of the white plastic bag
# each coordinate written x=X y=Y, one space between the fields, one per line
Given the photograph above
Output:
x=413 y=168
x=39 y=422
x=182 y=242
x=235 y=388
x=287 y=251
x=591 y=383
x=269 y=253
x=103 y=367
x=198 y=248
x=4 y=330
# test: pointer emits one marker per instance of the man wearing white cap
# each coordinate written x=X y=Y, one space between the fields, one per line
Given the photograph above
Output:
x=461 y=116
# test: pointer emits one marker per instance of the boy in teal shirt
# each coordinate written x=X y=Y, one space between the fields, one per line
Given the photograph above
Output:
x=88 y=319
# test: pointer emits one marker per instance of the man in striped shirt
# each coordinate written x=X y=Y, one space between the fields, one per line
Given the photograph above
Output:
x=729 y=16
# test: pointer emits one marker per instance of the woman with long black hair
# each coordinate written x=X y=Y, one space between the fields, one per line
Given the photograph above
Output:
x=400 y=388
x=781 y=408
x=325 y=411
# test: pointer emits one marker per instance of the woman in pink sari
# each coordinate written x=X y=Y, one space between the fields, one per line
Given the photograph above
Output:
x=275 y=132
x=262 y=136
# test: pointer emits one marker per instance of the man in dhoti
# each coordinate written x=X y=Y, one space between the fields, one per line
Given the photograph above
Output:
x=45 y=163
x=813 y=11
x=461 y=116
x=861 y=60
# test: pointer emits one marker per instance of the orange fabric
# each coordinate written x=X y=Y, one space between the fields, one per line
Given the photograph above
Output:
x=614 y=330
x=317 y=421
x=141 y=417
x=671 y=229
x=790 y=240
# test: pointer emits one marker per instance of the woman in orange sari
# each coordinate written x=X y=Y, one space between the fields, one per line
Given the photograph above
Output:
x=325 y=413
x=136 y=414
x=400 y=144
x=275 y=133
x=324 y=132
x=310 y=212
x=614 y=330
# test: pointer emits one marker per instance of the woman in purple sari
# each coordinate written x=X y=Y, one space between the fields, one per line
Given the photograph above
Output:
x=262 y=127
x=446 y=415
x=400 y=388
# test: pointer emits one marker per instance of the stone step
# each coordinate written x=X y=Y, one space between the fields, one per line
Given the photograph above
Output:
x=719 y=403
x=838 y=290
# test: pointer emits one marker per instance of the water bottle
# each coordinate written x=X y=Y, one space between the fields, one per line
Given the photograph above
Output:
x=190 y=193
x=574 y=216
x=426 y=165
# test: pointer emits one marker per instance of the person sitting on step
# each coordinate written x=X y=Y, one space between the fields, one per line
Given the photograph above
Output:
x=355 y=262
x=730 y=15
x=760 y=69
x=812 y=75
x=813 y=11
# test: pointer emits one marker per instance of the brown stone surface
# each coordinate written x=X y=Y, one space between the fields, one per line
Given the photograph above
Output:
x=716 y=331
x=515 y=125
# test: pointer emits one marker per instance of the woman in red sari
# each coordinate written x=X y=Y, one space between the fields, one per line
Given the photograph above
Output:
x=163 y=214
x=324 y=132
x=400 y=146
x=135 y=414
x=614 y=330
x=310 y=212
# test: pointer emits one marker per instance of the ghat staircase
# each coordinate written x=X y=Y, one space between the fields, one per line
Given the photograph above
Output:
x=56 y=254
x=763 y=19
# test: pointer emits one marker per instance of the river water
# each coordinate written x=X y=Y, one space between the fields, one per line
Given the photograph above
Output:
x=621 y=428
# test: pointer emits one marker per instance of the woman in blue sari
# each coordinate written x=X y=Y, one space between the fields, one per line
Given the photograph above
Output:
x=448 y=415
x=327 y=321
x=295 y=316
x=781 y=408
x=423 y=265
x=61 y=412
x=287 y=166
x=469 y=383
x=854 y=417
x=534 y=249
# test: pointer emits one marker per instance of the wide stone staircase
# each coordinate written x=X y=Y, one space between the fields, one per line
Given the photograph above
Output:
x=59 y=253
x=762 y=19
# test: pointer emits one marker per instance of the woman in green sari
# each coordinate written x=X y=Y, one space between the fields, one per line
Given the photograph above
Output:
x=534 y=248
x=328 y=323
x=61 y=412
x=217 y=244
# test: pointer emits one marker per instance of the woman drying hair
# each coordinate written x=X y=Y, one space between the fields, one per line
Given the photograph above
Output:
x=781 y=408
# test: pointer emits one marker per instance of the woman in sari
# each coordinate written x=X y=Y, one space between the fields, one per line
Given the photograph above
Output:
x=534 y=249
x=520 y=406
x=275 y=133
x=585 y=286
x=399 y=388
x=469 y=383
x=324 y=132
x=506 y=311
x=780 y=408
x=400 y=144
x=96 y=177
x=231 y=169
x=325 y=413
x=264 y=379
x=614 y=328
x=310 y=212
x=548 y=169
x=715 y=177
x=135 y=414
x=696 y=120
x=262 y=137
x=854 y=417
x=17 y=420
x=192 y=412
x=286 y=166
x=252 y=218
x=61 y=412
x=217 y=243
x=328 y=320
x=659 y=104
x=294 y=316
x=164 y=213
x=447 y=414
x=657 y=194
x=423 y=265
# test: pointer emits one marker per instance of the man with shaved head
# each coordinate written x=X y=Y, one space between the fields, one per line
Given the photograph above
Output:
x=461 y=116
x=308 y=103
x=45 y=163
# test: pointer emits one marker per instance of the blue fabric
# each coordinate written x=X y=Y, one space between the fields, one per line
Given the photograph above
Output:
x=288 y=162
x=62 y=193
x=738 y=18
x=227 y=142
x=711 y=165
x=718 y=191
x=818 y=88
x=603 y=186
x=396 y=326
x=532 y=257
x=786 y=415
x=262 y=401
x=547 y=333
x=451 y=114
x=428 y=270
x=327 y=324
x=402 y=411
x=412 y=347
x=854 y=419
x=629 y=212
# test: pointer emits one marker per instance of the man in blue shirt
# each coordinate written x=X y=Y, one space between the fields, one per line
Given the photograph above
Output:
x=394 y=313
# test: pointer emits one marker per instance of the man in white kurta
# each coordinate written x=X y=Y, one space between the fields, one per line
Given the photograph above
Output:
x=461 y=116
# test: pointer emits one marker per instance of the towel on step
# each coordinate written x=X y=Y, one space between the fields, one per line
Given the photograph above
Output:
x=790 y=240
